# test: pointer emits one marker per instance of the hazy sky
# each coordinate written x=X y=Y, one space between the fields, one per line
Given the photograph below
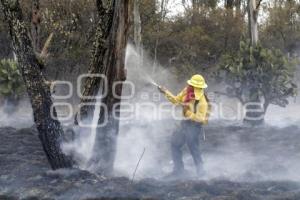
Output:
x=175 y=7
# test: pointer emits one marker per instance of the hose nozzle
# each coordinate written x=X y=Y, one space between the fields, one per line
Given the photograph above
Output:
x=161 y=89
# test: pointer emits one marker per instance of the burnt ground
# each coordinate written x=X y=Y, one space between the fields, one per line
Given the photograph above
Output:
x=25 y=174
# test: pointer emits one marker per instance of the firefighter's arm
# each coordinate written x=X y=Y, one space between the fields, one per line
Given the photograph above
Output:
x=200 y=115
x=174 y=99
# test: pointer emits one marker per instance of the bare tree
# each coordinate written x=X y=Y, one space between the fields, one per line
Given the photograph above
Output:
x=49 y=129
x=116 y=74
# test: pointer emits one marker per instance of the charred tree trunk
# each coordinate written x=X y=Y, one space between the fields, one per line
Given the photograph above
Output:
x=114 y=63
x=92 y=84
x=35 y=25
x=108 y=60
x=49 y=129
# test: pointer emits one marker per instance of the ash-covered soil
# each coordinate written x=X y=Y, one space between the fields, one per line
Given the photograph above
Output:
x=25 y=174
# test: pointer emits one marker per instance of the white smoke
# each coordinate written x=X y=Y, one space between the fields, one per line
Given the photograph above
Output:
x=81 y=148
x=16 y=115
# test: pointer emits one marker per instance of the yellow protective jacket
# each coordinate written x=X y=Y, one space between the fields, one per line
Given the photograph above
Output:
x=198 y=113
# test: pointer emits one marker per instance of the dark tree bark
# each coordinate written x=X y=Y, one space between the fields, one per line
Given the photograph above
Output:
x=108 y=60
x=49 y=129
x=105 y=146
x=92 y=85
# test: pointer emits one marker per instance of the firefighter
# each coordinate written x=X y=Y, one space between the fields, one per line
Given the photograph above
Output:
x=195 y=110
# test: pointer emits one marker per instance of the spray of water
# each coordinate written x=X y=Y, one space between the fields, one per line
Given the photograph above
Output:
x=132 y=53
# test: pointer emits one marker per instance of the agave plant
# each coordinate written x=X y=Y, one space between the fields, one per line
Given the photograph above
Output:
x=11 y=83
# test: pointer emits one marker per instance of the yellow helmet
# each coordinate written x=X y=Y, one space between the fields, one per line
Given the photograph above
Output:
x=197 y=81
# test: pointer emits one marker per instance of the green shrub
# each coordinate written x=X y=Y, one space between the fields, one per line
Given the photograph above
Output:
x=257 y=74
x=11 y=83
